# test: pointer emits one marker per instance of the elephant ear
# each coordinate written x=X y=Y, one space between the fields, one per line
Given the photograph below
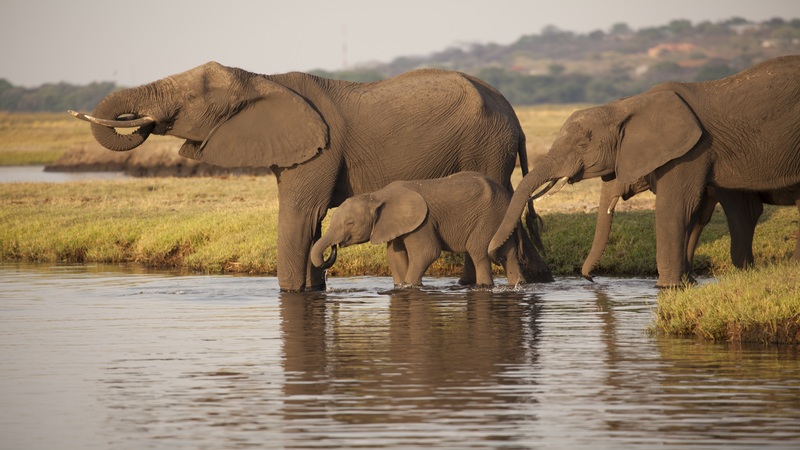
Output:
x=279 y=128
x=399 y=211
x=660 y=128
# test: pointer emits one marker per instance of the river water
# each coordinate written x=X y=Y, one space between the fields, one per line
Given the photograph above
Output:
x=36 y=174
x=95 y=357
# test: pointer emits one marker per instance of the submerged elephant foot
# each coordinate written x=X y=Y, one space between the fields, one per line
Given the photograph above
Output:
x=686 y=281
x=407 y=286
x=315 y=288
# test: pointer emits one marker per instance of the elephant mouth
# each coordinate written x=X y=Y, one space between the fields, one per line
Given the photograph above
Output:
x=549 y=188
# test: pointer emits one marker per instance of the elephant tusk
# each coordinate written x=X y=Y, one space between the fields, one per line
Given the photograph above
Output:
x=328 y=263
x=541 y=190
x=612 y=205
x=130 y=123
x=554 y=186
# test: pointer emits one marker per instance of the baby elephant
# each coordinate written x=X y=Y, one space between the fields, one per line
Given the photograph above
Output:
x=419 y=219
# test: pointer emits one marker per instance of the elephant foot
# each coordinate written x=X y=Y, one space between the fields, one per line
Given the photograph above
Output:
x=407 y=286
x=684 y=282
x=316 y=288
x=466 y=282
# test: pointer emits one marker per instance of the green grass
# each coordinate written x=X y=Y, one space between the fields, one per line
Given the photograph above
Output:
x=230 y=225
x=759 y=305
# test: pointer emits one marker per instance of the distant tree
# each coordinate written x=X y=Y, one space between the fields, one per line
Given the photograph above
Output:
x=621 y=28
x=596 y=35
x=556 y=69
x=680 y=26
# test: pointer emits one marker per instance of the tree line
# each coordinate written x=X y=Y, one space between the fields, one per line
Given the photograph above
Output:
x=57 y=97
x=554 y=66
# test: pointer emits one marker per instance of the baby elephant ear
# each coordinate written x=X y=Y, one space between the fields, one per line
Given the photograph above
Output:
x=279 y=128
x=400 y=211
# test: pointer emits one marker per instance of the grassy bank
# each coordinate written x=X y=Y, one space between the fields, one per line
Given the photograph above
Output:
x=760 y=305
x=230 y=225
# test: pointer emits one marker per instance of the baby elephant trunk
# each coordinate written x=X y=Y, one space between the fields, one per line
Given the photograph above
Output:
x=317 y=257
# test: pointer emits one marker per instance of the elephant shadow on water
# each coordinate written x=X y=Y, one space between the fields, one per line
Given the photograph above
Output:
x=325 y=140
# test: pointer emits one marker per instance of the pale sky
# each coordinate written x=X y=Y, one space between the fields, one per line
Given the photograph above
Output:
x=134 y=42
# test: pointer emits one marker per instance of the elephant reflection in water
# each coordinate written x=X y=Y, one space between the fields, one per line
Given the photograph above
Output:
x=392 y=364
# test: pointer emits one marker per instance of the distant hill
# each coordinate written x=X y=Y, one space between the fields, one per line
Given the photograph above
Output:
x=554 y=66
x=557 y=66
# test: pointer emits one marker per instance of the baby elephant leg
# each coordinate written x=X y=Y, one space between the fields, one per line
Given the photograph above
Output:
x=511 y=265
x=397 y=258
x=483 y=266
x=423 y=248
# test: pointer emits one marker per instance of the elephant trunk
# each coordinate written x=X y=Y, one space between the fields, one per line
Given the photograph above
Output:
x=542 y=176
x=120 y=109
x=317 y=254
x=605 y=216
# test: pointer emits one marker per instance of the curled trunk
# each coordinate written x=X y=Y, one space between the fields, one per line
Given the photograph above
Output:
x=318 y=254
x=114 y=106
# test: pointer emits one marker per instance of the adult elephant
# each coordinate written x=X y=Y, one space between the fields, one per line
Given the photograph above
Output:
x=740 y=133
x=325 y=140
x=742 y=210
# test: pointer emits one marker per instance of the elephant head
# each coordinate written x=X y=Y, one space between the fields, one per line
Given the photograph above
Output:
x=214 y=108
x=377 y=217
x=626 y=139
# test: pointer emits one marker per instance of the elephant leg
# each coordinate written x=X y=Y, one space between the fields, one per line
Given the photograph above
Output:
x=467 y=272
x=706 y=211
x=477 y=252
x=512 y=266
x=397 y=258
x=296 y=231
x=677 y=211
x=423 y=249
x=742 y=211
x=483 y=271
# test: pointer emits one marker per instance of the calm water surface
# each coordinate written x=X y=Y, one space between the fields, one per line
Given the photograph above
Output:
x=92 y=358
x=36 y=174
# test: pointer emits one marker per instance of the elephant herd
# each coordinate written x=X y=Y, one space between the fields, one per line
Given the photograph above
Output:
x=386 y=154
